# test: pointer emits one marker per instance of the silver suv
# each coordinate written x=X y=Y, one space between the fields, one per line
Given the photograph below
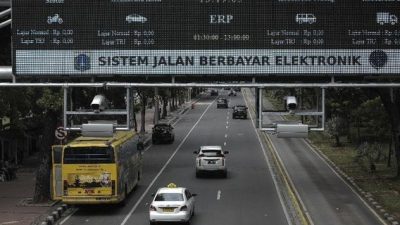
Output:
x=211 y=159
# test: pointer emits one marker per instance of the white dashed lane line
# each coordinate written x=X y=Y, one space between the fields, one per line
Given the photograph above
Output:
x=226 y=135
x=218 y=194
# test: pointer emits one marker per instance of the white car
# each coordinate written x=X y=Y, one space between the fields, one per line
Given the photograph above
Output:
x=172 y=204
x=135 y=18
x=211 y=159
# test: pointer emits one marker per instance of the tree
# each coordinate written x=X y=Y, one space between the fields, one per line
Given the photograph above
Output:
x=391 y=101
x=51 y=103
x=335 y=127
x=144 y=95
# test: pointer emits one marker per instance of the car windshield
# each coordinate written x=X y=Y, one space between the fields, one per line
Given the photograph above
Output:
x=161 y=127
x=169 y=197
x=217 y=153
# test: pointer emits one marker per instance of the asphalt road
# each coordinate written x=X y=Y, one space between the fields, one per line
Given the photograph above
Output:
x=247 y=196
x=328 y=199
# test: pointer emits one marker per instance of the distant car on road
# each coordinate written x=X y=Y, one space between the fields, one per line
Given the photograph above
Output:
x=239 y=111
x=135 y=18
x=172 y=204
x=232 y=93
x=222 y=103
x=163 y=132
x=237 y=89
x=214 y=93
x=211 y=159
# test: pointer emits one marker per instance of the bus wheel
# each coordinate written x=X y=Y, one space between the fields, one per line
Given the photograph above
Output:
x=125 y=194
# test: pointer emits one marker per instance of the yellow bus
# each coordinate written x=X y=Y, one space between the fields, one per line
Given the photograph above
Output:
x=97 y=170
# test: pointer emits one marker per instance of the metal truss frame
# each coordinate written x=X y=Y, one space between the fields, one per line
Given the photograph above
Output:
x=321 y=113
x=127 y=112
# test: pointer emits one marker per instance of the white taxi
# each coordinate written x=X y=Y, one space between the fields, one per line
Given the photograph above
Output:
x=172 y=204
x=211 y=159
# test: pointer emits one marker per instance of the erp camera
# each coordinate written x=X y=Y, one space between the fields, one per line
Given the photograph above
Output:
x=290 y=103
x=99 y=103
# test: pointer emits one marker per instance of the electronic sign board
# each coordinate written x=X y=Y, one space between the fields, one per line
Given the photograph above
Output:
x=195 y=37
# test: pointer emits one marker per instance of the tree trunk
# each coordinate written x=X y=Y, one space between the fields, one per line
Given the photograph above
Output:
x=42 y=186
x=337 y=139
x=389 y=163
x=164 y=109
x=134 y=122
x=143 y=115
x=391 y=102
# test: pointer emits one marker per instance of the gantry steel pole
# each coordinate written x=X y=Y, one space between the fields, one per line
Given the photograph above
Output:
x=208 y=85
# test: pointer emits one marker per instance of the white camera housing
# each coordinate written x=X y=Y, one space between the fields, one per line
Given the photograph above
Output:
x=290 y=103
x=99 y=103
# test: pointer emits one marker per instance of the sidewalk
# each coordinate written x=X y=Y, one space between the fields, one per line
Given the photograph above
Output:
x=14 y=193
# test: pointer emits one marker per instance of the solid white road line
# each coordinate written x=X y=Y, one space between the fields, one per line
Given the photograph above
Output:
x=314 y=151
x=269 y=167
x=162 y=170
x=69 y=216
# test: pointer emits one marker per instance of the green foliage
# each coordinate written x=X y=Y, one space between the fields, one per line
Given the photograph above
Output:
x=336 y=127
x=372 y=116
x=51 y=99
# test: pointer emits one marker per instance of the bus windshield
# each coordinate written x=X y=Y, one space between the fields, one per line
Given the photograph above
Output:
x=88 y=155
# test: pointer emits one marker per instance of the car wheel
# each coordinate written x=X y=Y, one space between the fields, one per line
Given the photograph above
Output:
x=225 y=174
x=153 y=223
x=198 y=174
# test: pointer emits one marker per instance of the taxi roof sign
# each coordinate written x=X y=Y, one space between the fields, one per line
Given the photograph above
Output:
x=171 y=185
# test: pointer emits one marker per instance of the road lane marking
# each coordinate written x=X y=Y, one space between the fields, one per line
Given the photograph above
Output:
x=227 y=127
x=69 y=216
x=345 y=182
x=226 y=135
x=224 y=143
x=162 y=169
x=11 y=222
x=269 y=166
x=219 y=195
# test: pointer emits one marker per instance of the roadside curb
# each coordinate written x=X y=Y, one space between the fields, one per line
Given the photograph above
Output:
x=54 y=215
x=366 y=196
